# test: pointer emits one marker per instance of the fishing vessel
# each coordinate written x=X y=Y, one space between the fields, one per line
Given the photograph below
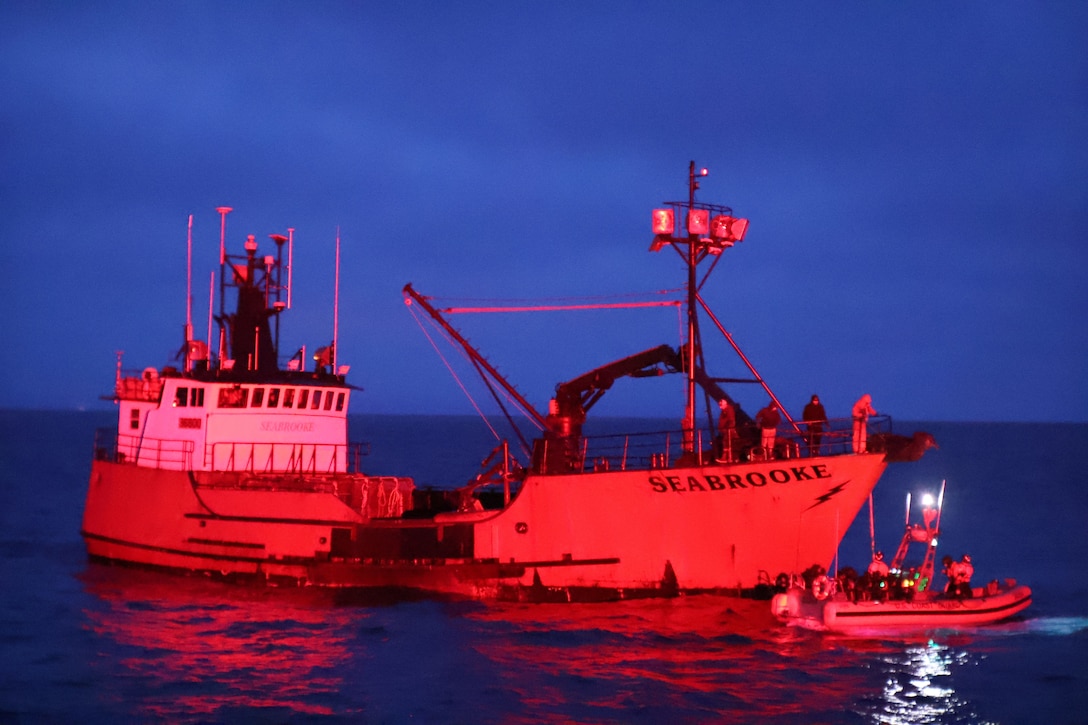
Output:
x=903 y=598
x=235 y=465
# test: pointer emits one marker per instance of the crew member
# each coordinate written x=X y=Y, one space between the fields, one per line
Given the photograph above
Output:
x=878 y=567
x=815 y=417
x=768 y=420
x=727 y=431
x=821 y=585
x=965 y=571
x=950 y=570
x=860 y=413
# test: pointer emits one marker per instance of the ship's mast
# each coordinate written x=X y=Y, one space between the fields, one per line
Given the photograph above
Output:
x=710 y=229
x=689 y=407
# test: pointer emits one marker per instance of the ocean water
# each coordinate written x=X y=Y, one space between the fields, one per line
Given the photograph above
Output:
x=83 y=642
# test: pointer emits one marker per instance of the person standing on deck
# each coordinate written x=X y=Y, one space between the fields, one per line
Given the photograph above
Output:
x=727 y=431
x=861 y=412
x=768 y=420
x=815 y=417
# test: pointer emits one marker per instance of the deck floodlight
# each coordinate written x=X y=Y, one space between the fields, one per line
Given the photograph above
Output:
x=739 y=228
x=719 y=226
x=663 y=221
x=659 y=241
x=699 y=222
x=727 y=228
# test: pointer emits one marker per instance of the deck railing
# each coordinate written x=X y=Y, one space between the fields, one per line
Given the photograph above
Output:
x=242 y=457
x=175 y=455
x=257 y=457
x=664 y=449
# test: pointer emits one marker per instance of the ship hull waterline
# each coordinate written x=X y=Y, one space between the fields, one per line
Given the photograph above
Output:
x=602 y=535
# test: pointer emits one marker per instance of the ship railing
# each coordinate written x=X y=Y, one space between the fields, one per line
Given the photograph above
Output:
x=169 y=454
x=291 y=458
x=249 y=457
x=668 y=448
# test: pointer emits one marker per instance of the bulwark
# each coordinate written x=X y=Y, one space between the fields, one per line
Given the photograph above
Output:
x=752 y=479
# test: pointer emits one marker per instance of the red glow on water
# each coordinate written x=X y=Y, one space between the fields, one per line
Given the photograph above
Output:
x=251 y=649
x=190 y=648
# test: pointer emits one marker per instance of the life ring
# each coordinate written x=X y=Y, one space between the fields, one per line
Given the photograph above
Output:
x=821 y=587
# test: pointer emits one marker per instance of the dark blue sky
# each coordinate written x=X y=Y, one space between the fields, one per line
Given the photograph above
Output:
x=915 y=178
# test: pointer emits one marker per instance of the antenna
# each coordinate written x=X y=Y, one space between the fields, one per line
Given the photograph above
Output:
x=211 y=305
x=290 y=261
x=223 y=211
x=940 y=504
x=872 y=527
x=189 y=297
x=336 y=305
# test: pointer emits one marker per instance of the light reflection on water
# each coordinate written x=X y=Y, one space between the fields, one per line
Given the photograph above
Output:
x=919 y=685
x=178 y=649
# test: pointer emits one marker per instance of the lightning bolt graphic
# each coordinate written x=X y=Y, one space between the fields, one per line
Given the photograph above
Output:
x=824 y=498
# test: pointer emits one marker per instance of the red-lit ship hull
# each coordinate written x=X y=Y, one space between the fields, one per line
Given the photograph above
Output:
x=615 y=532
x=235 y=467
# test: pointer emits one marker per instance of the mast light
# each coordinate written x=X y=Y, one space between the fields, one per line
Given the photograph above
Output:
x=699 y=222
x=664 y=221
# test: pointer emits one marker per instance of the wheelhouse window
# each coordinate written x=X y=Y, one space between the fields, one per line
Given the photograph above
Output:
x=134 y=419
x=181 y=398
x=196 y=398
x=303 y=396
x=328 y=400
x=340 y=401
x=317 y=400
x=289 y=398
x=273 y=397
x=258 y=398
x=233 y=397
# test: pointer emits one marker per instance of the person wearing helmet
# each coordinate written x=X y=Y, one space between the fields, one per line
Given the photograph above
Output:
x=878 y=567
x=876 y=577
x=965 y=571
